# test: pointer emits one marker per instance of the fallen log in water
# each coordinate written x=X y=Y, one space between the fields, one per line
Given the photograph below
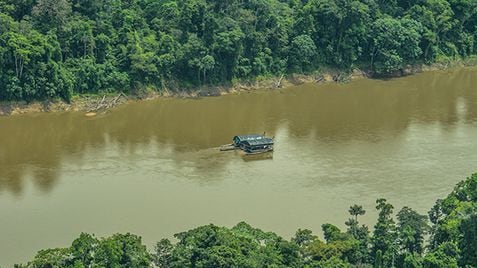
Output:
x=278 y=84
x=90 y=114
x=320 y=78
x=105 y=104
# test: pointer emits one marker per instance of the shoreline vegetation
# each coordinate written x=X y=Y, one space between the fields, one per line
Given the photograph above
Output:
x=93 y=104
x=445 y=238
x=79 y=51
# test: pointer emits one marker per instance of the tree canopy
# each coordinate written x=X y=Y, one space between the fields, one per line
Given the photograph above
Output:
x=56 y=48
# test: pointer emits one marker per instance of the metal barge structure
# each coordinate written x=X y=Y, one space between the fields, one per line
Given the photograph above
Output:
x=250 y=144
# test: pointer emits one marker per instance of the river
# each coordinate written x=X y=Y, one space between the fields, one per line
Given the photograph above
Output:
x=153 y=168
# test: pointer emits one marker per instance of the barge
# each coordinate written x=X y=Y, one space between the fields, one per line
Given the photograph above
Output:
x=250 y=144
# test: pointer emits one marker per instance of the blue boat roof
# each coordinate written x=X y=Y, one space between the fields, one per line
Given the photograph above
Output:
x=251 y=137
x=259 y=142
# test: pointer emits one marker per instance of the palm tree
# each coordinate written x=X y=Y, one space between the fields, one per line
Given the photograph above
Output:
x=356 y=210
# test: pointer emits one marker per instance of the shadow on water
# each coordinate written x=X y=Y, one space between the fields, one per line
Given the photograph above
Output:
x=37 y=146
x=258 y=157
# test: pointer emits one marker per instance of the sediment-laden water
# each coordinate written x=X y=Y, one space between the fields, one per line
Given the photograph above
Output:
x=154 y=168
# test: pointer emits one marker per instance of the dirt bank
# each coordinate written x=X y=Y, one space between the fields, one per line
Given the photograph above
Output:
x=93 y=104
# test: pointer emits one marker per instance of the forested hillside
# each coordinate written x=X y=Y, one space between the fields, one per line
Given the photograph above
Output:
x=56 y=48
x=400 y=243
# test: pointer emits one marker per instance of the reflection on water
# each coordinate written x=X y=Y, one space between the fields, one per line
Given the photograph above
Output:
x=363 y=110
x=258 y=157
x=407 y=139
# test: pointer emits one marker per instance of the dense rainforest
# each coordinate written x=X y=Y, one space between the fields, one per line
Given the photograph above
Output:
x=405 y=239
x=58 y=48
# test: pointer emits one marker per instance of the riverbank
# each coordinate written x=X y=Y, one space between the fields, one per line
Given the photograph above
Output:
x=94 y=104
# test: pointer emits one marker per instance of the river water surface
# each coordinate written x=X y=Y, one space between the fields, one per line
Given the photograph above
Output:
x=154 y=169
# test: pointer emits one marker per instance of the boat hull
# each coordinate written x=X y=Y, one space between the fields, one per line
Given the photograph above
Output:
x=259 y=152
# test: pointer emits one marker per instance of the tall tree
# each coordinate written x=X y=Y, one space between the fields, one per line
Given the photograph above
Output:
x=412 y=227
x=360 y=233
x=384 y=241
x=51 y=14
x=468 y=241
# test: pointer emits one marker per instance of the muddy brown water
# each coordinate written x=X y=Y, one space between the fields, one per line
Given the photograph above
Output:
x=154 y=168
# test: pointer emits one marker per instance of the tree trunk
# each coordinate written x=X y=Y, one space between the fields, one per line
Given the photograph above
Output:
x=18 y=66
x=373 y=53
x=198 y=75
x=426 y=51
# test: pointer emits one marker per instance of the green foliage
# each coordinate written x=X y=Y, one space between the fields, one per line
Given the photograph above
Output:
x=412 y=227
x=303 y=237
x=468 y=241
x=361 y=234
x=401 y=245
x=453 y=221
x=302 y=53
x=446 y=255
x=333 y=262
x=163 y=253
x=58 y=257
x=241 y=246
x=51 y=14
x=104 y=45
x=395 y=43
x=86 y=251
x=411 y=261
x=385 y=236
